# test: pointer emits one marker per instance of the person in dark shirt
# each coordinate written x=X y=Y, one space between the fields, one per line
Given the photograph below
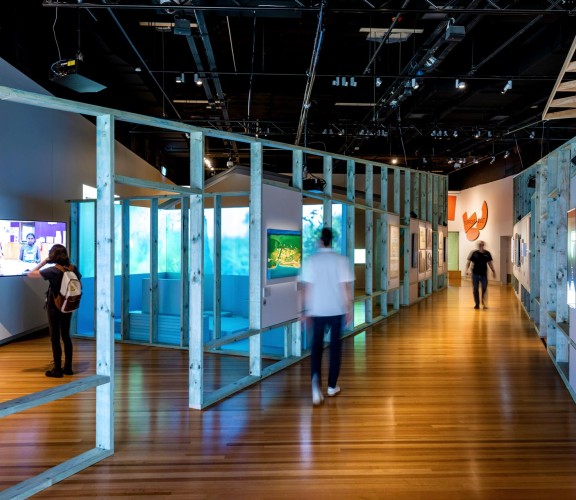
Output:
x=58 y=321
x=480 y=259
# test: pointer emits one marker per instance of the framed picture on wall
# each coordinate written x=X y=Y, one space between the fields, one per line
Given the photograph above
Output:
x=571 y=254
x=422 y=245
x=428 y=260
x=414 y=251
x=394 y=252
x=428 y=238
x=422 y=261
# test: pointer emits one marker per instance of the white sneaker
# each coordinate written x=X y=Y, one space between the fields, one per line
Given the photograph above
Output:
x=332 y=391
x=317 y=397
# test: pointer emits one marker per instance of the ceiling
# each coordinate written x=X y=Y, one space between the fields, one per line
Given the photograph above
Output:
x=365 y=78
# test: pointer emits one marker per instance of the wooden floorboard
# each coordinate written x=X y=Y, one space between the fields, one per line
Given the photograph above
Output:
x=439 y=401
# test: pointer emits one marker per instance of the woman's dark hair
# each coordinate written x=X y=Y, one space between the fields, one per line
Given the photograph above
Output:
x=326 y=236
x=58 y=255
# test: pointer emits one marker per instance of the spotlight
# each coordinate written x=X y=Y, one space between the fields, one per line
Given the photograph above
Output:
x=457 y=164
x=433 y=133
x=197 y=79
x=230 y=162
x=455 y=134
x=394 y=160
x=489 y=134
x=181 y=78
x=474 y=160
x=353 y=82
x=163 y=170
x=477 y=134
x=507 y=87
x=459 y=85
x=492 y=160
x=344 y=82
x=415 y=84
x=506 y=154
x=445 y=133
x=532 y=134
x=336 y=81
x=450 y=161
x=378 y=82
x=431 y=61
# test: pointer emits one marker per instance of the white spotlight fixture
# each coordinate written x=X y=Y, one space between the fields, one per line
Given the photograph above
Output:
x=181 y=78
x=197 y=79
x=336 y=81
x=507 y=87
x=459 y=84
x=353 y=82
x=477 y=134
x=474 y=160
x=163 y=170
x=415 y=83
x=378 y=81
x=532 y=134
x=455 y=134
x=394 y=161
x=230 y=162
x=344 y=82
x=492 y=160
x=506 y=154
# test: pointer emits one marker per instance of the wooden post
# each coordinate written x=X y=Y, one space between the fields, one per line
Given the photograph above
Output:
x=327 y=204
x=154 y=298
x=184 y=271
x=255 y=278
x=369 y=242
x=104 y=280
x=196 y=276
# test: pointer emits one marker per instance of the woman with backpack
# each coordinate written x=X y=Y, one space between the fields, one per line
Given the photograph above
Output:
x=58 y=321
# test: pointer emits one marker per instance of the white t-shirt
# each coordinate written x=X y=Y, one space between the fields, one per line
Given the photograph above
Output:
x=326 y=273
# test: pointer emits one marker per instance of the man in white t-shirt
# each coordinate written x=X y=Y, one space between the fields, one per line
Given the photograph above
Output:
x=327 y=286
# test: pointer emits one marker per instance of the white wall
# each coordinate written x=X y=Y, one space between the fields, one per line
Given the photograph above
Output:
x=499 y=198
x=45 y=158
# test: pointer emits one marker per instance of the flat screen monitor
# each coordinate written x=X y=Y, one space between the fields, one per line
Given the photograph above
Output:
x=25 y=243
x=284 y=253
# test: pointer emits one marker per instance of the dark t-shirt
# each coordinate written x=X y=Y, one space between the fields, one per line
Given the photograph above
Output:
x=480 y=262
x=54 y=276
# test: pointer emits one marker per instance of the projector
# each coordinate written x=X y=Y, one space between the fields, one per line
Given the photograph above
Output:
x=455 y=33
x=65 y=73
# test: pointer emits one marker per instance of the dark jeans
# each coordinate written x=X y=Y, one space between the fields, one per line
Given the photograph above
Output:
x=59 y=324
x=477 y=280
x=320 y=324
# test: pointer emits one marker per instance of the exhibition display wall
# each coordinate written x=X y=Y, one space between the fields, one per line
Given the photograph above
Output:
x=154 y=257
x=543 y=248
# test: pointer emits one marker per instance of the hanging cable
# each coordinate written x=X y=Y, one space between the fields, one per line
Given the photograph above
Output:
x=231 y=44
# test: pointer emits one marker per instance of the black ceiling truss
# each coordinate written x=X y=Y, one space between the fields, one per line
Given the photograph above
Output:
x=371 y=80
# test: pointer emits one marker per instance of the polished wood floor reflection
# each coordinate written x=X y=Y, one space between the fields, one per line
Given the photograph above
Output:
x=439 y=401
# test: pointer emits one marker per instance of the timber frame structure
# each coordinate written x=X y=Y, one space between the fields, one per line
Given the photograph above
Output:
x=411 y=190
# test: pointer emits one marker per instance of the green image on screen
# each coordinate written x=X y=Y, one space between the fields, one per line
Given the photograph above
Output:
x=284 y=253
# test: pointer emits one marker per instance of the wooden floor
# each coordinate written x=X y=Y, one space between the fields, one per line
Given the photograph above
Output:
x=438 y=402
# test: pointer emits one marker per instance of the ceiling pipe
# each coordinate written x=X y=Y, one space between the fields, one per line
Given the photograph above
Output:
x=311 y=75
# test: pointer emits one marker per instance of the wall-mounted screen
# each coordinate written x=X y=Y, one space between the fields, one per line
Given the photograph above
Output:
x=571 y=278
x=23 y=244
x=284 y=253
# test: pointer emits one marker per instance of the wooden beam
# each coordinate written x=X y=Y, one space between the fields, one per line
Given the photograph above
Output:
x=565 y=102
x=571 y=113
x=52 y=394
x=567 y=86
x=565 y=66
